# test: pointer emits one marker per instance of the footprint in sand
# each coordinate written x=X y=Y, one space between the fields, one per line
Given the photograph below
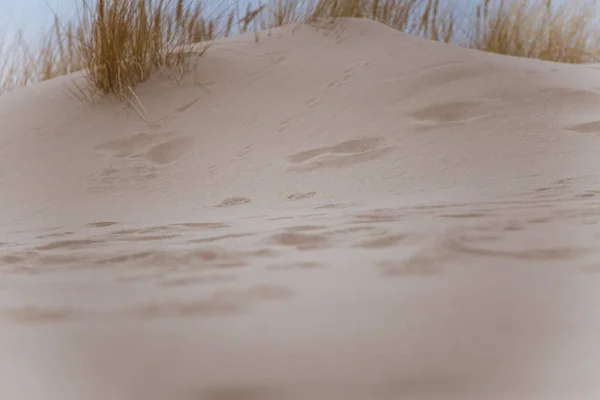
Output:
x=301 y=196
x=342 y=154
x=101 y=224
x=169 y=151
x=122 y=173
x=588 y=194
x=136 y=159
x=587 y=127
x=301 y=241
x=233 y=201
x=158 y=148
x=449 y=113
x=122 y=148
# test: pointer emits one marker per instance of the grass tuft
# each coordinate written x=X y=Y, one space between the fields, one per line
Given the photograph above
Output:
x=566 y=33
x=418 y=17
x=123 y=41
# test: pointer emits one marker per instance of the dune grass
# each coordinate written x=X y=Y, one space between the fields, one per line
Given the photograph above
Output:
x=121 y=43
x=569 y=33
x=55 y=55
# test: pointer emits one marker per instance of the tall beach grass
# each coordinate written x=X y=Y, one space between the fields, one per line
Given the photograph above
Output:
x=120 y=43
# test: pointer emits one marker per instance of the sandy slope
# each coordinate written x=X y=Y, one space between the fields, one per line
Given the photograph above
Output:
x=332 y=213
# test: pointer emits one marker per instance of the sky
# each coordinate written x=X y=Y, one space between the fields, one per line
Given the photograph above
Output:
x=30 y=14
x=33 y=17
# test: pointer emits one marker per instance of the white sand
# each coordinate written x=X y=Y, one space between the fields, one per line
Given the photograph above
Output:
x=348 y=213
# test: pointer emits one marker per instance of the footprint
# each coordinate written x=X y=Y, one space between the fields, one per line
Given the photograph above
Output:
x=101 y=224
x=233 y=201
x=122 y=148
x=451 y=112
x=589 y=193
x=301 y=196
x=135 y=160
x=341 y=155
x=301 y=241
x=378 y=217
x=123 y=173
x=332 y=206
x=170 y=151
x=588 y=127
x=349 y=147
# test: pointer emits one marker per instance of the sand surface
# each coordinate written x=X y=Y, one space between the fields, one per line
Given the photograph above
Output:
x=335 y=212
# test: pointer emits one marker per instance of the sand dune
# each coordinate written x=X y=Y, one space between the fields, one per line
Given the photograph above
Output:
x=342 y=212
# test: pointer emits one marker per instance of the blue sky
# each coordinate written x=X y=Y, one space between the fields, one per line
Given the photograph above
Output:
x=33 y=16
x=36 y=13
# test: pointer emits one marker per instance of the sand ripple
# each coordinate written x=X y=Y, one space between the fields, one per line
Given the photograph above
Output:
x=392 y=243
